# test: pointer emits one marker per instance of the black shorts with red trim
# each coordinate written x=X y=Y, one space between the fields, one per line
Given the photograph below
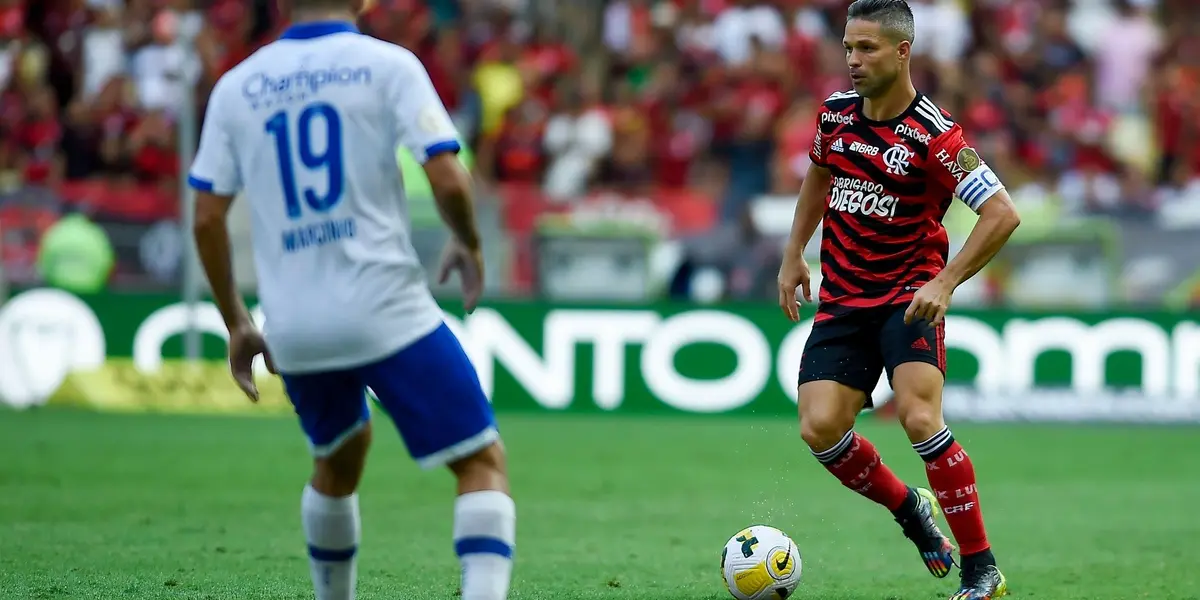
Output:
x=855 y=348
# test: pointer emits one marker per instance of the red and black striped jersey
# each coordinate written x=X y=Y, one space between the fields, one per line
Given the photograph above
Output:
x=891 y=184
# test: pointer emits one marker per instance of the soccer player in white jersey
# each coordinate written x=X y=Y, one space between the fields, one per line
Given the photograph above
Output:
x=308 y=128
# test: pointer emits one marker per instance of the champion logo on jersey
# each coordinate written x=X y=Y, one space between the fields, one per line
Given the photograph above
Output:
x=838 y=146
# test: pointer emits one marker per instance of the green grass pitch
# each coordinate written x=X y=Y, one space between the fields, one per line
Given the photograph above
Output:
x=115 y=507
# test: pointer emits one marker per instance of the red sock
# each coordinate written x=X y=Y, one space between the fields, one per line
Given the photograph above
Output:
x=952 y=478
x=856 y=463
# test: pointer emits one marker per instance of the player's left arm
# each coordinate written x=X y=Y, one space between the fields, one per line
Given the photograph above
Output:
x=424 y=127
x=958 y=167
x=998 y=219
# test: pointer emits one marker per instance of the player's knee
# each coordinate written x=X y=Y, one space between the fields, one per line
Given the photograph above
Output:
x=821 y=435
x=822 y=430
x=486 y=469
x=919 y=419
x=824 y=418
x=339 y=473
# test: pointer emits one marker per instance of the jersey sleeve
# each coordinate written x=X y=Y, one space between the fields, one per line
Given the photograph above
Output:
x=817 y=153
x=959 y=168
x=215 y=168
x=422 y=124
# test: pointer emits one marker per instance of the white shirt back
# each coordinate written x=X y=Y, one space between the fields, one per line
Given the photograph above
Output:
x=309 y=127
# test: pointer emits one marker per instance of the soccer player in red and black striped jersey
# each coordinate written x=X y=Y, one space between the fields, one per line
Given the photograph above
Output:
x=887 y=163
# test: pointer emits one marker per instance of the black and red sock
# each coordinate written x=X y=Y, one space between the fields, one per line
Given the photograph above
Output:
x=952 y=478
x=856 y=463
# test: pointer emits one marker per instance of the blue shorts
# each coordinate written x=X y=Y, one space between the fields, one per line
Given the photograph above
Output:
x=430 y=389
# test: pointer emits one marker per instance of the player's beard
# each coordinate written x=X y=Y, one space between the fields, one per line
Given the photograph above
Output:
x=876 y=86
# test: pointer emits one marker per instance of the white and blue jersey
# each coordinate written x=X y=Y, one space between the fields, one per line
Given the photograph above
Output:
x=308 y=128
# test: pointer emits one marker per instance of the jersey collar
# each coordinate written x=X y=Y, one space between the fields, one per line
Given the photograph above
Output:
x=896 y=120
x=316 y=29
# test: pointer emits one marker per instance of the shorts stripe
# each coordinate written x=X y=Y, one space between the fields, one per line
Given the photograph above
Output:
x=324 y=450
x=940 y=345
x=462 y=449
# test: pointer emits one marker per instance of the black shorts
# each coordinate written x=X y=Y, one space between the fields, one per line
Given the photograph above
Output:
x=856 y=348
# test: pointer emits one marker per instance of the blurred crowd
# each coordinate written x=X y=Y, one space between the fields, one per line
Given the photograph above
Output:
x=1089 y=105
x=1082 y=106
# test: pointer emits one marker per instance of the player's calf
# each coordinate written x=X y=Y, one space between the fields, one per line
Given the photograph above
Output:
x=951 y=475
x=827 y=413
x=329 y=511
x=484 y=524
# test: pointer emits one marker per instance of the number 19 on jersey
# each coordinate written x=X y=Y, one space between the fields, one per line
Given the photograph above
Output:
x=316 y=121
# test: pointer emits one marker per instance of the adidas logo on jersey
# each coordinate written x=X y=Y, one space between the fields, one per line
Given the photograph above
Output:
x=913 y=133
x=838 y=146
x=837 y=118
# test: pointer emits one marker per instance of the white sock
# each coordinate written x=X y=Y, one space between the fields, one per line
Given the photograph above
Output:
x=332 y=528
x=485 y=525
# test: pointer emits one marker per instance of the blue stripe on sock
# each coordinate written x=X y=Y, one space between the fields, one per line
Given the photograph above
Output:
x=482 y=545
x=324 y=555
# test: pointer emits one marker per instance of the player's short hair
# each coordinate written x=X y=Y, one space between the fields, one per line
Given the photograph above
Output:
x=894 y=17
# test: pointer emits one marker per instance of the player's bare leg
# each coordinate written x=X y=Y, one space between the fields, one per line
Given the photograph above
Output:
x=329 y=510
x=918 y=388
x=827 y=413
x=484 y=523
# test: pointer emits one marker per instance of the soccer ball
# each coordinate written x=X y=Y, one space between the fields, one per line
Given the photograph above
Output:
x=761 y=563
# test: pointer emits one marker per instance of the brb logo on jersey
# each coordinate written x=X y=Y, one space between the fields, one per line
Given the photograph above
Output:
x=862 y=148
x=837 y=118
x=897 y=159
x=855 y=196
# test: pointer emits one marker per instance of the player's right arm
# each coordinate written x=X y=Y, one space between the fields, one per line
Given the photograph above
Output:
x=425 y=129
x=451 y=184
x=216 y=177
x=810 y=207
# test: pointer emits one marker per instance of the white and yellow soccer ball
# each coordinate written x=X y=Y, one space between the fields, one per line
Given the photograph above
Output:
x=761 y=563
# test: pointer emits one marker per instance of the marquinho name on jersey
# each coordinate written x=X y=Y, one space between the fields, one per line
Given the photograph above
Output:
x=267 y=89
x=855 y=196
x=319 y=234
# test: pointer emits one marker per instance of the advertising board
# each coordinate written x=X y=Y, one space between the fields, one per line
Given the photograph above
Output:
x=673 y=358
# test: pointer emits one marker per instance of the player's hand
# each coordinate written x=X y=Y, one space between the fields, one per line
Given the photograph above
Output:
x=793 y=274
x=469 y=264
x=246 y=342
x=930 y=303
